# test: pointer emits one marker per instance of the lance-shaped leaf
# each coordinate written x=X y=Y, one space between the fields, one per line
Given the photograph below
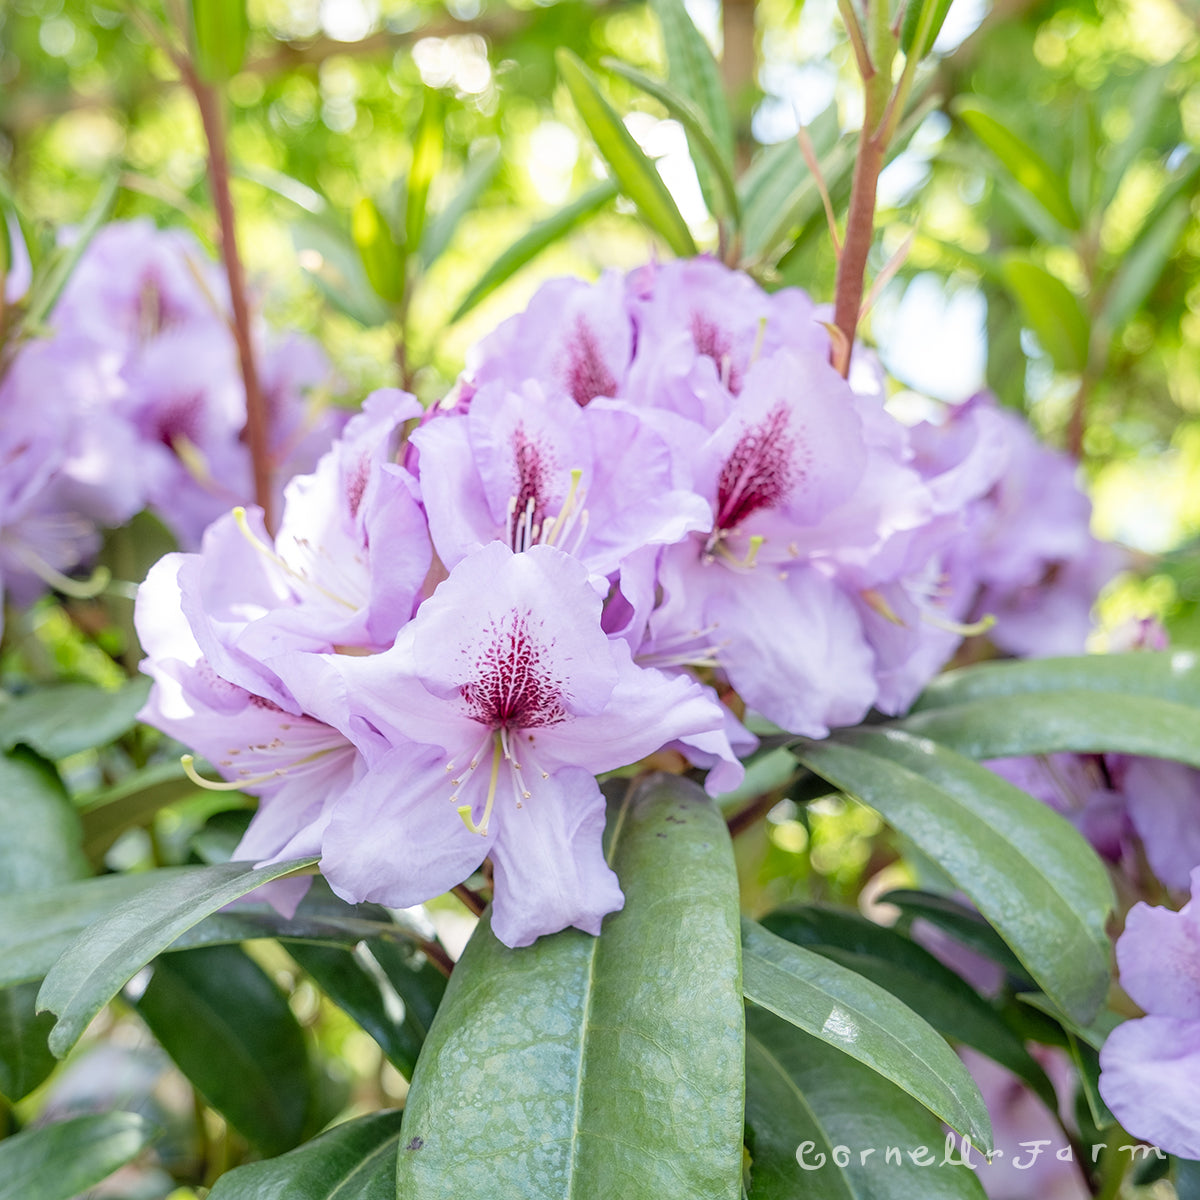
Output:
x=907 y=970
x=331 y=260
x=865 y=1021
x=1021 y=160
x=382 y=255
x=57 y=1162
x=924 y=18
x=536 y=239
x=218 y=1014
x=130 y=802
x=1029 y=872
x=807 y=1103
x=95 y=967
x=439 y=229
x=25 y=1058
x=426 y=162
x=219 y=28
x=1143 y=263
x=64 y=719
x=1051 y=310
x=584 y=1067
x=353 y=1161
x=635 y=174
x=724 y=197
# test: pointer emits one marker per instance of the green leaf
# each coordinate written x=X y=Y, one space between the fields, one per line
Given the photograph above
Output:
x=725 y=199
x=1142 y=266
x=42 y=835
x=57 y=1162
x=25 y=1058
x=863 y=1020
x=1149 y=97
x=426 y=162
x=65 y=718
x=584 y=1067
x=1187 y=1179
x=129 y=803
x=220 y=29
x=95 y=967
x=1029 y=872
x=393 y=1006
x=1094 y=1035
x=1026 y=166
x=382 y=256
x=352 y=1161
x=480 y=171
x=331 y=261
x=1051 y=310
x=801 y=1092
x=530 y=244
x=229 y=1029
x=51 y=278
x=907 y=970
x=928 y=17
x=635 y=174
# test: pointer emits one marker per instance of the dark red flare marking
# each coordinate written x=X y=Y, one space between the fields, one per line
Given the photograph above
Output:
x=181 y=417
x=514 y=687
x=532 y=467
x=713 y=342
x=356 y=483
x=759 y=471
x=587 y=374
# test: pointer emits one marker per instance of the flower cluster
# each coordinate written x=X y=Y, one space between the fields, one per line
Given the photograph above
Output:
x=134 y=400
x=649 y=504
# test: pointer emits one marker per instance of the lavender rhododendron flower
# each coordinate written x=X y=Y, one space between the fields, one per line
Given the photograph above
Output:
x=1150 y=1067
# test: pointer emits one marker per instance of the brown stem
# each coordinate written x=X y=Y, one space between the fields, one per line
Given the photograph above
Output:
x=473 y=900
x=209 y=102
x=437 y=955
x=860 y=227
x=1078 y=423
x=758 y=808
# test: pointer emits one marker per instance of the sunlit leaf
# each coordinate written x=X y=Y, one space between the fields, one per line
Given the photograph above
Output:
x=382 y=256
x=1051 y=310
x=426 y=162
x=634 y=173
x=586 y=1067
x=927 y=16
x=439 y=229
x=220 y=29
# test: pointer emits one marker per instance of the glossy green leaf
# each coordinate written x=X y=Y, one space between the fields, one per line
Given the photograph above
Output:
x=959 y=921
x=112 y=950
x=220 y=29
x=25 y=1058
x=1187 y=1179
x=392 y=1006
x=42 y=837
x=59 y=1161
x=1093 y=1035
x=426 y=162
x=218 y=1014
x=724 y=200
x=439 y=229
x=353 y=1161
x=132 y=801
x=585 y=1067
x=382 y=256
x=635 y=174
x=1025 y=164
x=1027 y=869
x=1051 y=310
x=1076 y=720
x=66 y=718
x=865 y=1021
x=925 y=17
x=531 y=243
x=907 y=970
x=804 y=1096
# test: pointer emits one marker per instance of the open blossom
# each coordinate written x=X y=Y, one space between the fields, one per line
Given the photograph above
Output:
x=502 y=699
x=1150 y=1067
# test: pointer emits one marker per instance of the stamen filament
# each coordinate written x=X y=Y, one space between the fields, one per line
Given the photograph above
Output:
x=239 y=516
x=77 y=589
x=976 y=627
x=568 y=507
x=464 y=810
x=188 y=762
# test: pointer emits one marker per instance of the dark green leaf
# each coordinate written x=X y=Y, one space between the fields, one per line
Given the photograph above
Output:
x=25 y=1058
x=439 y=229
x=66 y=718
x=1093 y=1035
x=130 y=802
x=1187 y=1179
x=634 y=173
x=352 y=1161
x=379 y=1001
x=861 y=1019
x=218 y=1014
x=800 y=1092
x=382 y=256
x=111 y=951
x=725 y=199
x=914 y=976
x=42 y=837
x=426 y=162
x=57 y=1162
x=219 y=28
x=1087 y=1067
x=584 y=1067
x=530 y=244
x=1024 y=163
x=1029 y=872
x=1051 y=310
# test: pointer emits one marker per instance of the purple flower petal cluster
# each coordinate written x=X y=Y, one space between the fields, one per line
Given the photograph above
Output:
x=134 y=400
x=1150 y=1067
x=643 y=495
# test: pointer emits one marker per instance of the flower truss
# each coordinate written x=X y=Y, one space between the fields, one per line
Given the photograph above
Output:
x=649 y=505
